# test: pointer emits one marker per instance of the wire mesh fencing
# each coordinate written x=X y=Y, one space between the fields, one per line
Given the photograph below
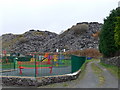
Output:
x=38 y=65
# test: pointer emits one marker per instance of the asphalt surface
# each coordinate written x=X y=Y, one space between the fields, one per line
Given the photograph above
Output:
x=89 y=80
x=110 y=80
x=60 y=70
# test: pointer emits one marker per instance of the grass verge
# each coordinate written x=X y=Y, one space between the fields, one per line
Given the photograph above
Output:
x=98 y=71
x=114 y=70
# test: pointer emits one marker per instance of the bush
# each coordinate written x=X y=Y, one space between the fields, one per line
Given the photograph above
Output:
x=38 y=33
x=90 y=52
x=22 y=40
x=96 y=35
x=107 y=43
x=80 y=28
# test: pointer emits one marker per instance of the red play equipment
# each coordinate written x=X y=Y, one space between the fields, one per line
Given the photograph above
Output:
x=4 y=54
x=45 y=61
x=21 y=67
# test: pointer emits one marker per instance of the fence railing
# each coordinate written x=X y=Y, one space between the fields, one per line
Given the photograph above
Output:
x=39 y=65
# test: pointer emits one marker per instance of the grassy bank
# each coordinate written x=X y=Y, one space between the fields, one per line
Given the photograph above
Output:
x=114 y=70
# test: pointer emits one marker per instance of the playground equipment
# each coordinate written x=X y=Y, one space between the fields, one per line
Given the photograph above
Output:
x=4 y=52
x=58 y=59
x=46 y=60
x=89 y=58
x=43 y=64
x=36 y=67
x=32 y=59
x=55 y=58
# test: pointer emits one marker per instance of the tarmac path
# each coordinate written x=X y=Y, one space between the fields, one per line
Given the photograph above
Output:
x=89 y=80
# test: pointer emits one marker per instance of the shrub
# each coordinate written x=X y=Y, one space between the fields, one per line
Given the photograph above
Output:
x=80 y=28
x=38 y=33
x=96 y=35
x=22 y=40
x=90 y=52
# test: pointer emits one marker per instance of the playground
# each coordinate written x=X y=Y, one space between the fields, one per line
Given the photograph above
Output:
x=37 y=65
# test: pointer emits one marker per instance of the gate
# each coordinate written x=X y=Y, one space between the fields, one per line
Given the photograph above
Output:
x=77 y=62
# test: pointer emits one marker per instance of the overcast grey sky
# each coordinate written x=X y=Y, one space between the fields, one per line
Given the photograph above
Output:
x=19 y=16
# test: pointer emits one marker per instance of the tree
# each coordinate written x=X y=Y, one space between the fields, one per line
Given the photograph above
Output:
x=107 y=42
x=117 y=33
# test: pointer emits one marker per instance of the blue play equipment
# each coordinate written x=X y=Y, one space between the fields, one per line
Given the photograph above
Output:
x=60 y=58
x=89 y=58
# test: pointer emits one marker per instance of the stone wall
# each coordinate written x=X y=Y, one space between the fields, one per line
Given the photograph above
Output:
x=39 y=81
x=112 y=61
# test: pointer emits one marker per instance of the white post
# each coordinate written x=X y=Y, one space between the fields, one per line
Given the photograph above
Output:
x=63 y=50
x=56 y=50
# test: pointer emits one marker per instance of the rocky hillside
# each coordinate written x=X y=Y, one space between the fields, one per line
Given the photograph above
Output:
x=45 y=41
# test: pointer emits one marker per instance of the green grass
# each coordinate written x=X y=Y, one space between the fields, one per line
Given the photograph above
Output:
x=7 y=66
x=65 y=63
x=24 y=65
x=114 y=70
x=98 y=71
x=65 y=85
x=84 y=65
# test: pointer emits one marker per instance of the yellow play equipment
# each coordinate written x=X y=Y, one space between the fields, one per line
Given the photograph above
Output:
x=46 y=56
x=32 y=59
x=55 y=58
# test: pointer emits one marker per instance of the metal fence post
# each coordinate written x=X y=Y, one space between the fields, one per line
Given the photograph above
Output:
x=35 y=66
x=15 y=62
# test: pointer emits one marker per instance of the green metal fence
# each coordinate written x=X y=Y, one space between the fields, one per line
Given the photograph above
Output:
x=77 y=62
x=10 y=62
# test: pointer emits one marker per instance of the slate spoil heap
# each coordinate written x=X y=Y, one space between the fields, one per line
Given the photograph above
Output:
x=45 y=41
